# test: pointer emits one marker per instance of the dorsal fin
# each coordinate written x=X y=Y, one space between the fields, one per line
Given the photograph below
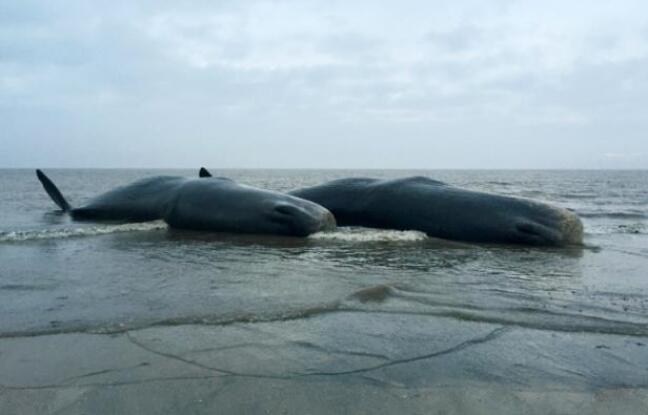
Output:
x=53 y=191
x=204 y=172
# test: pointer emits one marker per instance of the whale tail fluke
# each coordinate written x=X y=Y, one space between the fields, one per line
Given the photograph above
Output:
x=53 y=191
x=204 y=172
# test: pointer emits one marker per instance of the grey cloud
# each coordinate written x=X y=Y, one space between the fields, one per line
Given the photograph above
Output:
x=458 y=39
x=150 y=83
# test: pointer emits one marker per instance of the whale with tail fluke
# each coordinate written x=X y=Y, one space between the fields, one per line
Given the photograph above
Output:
x=216 y=205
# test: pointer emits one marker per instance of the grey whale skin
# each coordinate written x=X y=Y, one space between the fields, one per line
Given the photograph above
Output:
x=444 y=211
x=218 y=205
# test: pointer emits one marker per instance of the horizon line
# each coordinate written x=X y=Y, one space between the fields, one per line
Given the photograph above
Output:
x=333 y=168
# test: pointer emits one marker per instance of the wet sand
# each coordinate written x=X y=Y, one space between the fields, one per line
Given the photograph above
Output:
x=342 y=362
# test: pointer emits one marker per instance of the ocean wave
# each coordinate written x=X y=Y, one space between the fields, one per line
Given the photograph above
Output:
x=20 y=236
x=633 y=228
x=225 y=319
x=370 y=235
x=625 y=228
x=390 y=299
x=378 y=299
x=577 y=195
x=615 y=215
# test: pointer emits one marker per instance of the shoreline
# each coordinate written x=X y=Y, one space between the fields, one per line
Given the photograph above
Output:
x=326 y=364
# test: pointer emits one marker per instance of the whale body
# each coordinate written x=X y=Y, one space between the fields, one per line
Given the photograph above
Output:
x=444 y=211
x=217 y=205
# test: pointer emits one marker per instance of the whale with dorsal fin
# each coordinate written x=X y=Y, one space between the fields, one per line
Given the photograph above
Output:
x=443 y=211
x=216 y=205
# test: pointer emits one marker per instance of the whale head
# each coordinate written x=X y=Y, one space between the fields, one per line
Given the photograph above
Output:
x=548 y=226
x=222 y=205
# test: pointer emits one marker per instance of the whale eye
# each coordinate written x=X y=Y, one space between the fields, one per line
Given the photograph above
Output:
x=538 y=233
x=285 y=214
x=288 y=210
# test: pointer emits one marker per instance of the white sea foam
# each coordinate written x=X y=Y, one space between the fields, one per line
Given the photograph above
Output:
x=370 y=235
x=18 y=236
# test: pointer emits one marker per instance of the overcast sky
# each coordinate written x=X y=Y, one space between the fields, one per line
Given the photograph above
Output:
x=355 y=84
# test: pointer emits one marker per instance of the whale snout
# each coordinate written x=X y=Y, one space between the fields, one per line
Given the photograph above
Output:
x=561 y=228
x=328 y=223
x=571 y=228
x=302 y=220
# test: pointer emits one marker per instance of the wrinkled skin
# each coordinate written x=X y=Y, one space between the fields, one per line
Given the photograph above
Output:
x=444 y=211
x=217 y=205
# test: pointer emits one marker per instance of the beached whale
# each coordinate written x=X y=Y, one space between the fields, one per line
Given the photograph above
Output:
x=444 y=211
x=218 y=205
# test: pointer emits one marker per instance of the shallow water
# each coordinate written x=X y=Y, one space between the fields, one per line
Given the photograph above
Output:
x=60 y=276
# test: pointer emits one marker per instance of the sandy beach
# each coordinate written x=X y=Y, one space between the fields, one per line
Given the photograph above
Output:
x=344 y=363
